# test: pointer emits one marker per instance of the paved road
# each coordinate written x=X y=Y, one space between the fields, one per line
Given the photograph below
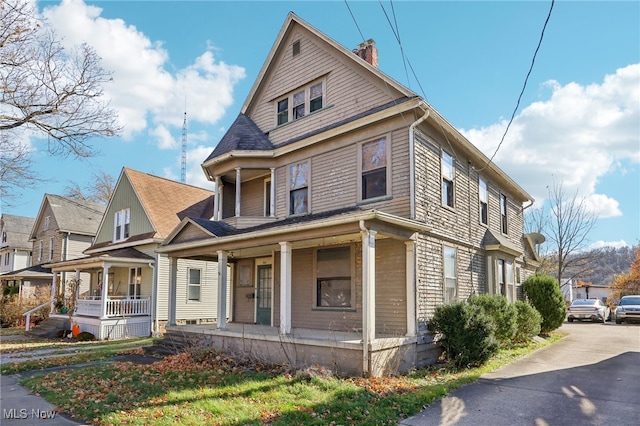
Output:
x=591 y=377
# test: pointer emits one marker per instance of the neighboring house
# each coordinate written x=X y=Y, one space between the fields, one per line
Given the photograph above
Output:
x=128 y=282
x=576 y=289
x=348 y=209
x=15 y=253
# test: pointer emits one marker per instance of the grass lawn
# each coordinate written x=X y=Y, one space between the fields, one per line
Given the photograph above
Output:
x=197 y=389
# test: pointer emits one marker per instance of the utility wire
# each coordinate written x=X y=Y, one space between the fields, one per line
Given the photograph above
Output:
x=354 y=20
x=533 y=60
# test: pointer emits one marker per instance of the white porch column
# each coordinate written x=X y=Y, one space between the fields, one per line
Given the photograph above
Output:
x=54 y=287
x=410 y=267
x=285 y=287
x=173 y=285
x=238 y=191
x=368 y=293
x=216 y=200
x=105 y=291
x=272 y=197
x=222 y=289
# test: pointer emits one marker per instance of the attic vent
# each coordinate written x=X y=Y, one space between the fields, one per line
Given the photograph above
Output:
x=296 y=47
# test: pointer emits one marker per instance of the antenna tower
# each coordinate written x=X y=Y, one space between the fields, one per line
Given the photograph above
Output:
x=183 y=171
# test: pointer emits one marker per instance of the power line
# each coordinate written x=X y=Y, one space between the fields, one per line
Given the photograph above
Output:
x=354 y=20
x=524 y=86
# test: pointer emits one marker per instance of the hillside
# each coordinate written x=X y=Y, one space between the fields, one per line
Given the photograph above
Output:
x=608 y=263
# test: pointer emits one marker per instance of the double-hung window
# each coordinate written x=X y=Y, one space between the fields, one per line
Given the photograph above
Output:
x=135 y=282
x=50 y=248
x=374 y=168
x=484 y=201
x=508 y=270
x=450 y=276
x=503 y=213
x=300 y=103
x=121 y=225
x=333 y=286
x=40 y=251
x=299 y=188
x=447 y=179
x=193 y=286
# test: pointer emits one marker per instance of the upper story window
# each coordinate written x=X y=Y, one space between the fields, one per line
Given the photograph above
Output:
x=51 y=248
x=40 y=251
x=484 y=201
x=6 y=258
x=47 y=222
x=450 y=276
x=374 y=168
x=121 y=225
x=267 y=197
x=299 y=188
x=4 y=236
x=300 y=103
x=503 y=213
x=447 y=179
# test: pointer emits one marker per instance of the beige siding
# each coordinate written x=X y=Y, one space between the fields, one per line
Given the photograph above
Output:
x=252 y=198
x=76 y=244
x=206 y=307
x=391 y=295
x=124 y=198
x=334 y=179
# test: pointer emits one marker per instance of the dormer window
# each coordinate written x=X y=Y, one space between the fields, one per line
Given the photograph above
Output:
x=121 y=225
x=303 y=102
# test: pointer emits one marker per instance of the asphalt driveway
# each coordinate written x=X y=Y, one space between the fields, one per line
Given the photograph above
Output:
x=590 y=377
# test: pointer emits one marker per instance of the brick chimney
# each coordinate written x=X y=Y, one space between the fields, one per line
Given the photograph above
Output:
x=367 y=51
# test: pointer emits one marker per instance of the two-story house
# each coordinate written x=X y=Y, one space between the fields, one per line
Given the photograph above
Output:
x=348 y=209
x=15 y=255
x=127 y=281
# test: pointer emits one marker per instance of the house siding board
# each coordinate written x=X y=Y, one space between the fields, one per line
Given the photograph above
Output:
x=206 y=308
x=76 y=245
x=334 y=179
x=252 y=198
x=391 y=295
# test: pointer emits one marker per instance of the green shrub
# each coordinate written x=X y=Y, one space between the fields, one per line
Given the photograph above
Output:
x=503 y=314
x=545 y=295
x=467 y=334
x=529 y=320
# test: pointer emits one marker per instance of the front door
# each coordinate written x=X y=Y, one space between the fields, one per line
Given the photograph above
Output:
x=263 y=304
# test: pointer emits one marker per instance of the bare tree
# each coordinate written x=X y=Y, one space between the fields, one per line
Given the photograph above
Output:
x=570 y=223
x=15 y=165
x=99 y=190
x=47 y=90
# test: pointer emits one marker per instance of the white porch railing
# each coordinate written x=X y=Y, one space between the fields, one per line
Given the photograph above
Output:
x=115 y=307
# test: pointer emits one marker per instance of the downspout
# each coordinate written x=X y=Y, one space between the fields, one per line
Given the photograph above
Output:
x=154 y=305
x=412 y=155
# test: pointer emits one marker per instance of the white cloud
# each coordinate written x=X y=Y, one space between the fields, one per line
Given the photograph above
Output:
x=163 y=137
x=612 y=244
x=578 y=135
x=143 y=90
x=602 y=206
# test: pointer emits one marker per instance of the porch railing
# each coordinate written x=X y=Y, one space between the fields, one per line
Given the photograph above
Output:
x=115 y=307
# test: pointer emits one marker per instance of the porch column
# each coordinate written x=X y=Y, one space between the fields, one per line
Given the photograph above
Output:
x=105 y=291
x=173 y=284
x=222 y=289
x=272 y=197
x=238 y=191
x=285 y=287
x=54 y=286
x=216 y=200
x=368 y=285
x=410 y=267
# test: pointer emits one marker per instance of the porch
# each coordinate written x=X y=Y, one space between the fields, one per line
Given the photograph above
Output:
x=342 y=352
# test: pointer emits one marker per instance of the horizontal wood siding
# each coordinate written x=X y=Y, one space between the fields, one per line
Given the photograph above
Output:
x=206 y=307
x=76 y=244
x=391 y=295
x=252 y=198
x=334 y=179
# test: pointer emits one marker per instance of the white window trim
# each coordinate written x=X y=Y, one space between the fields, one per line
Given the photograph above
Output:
x=307 y=101
x=308 y=161
x=387 y=138
x=482 y=180
x=504 y=219
x=451 y=179
x=445 y=277
x=267 y=194
x=50 y=248
x=314 y=301
x=189 y=285
x=126 y=219
x=136 y=295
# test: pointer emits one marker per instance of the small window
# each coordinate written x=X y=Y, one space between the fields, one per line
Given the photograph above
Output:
x=121 y=225
x=374 y=169
x=51 y=248
x=47 y=223
x=500 y=275
x=298 y=105
x=503 y=213
x=333 y=287
x=299 y=188
x=4 y=236
x=450 y=280
x=315 y=96
x=40 y=251
x=283 y=111
x=193 y=290
x=447 y=179
x=296 y=48
x=267 y=197
x=135 y=282
x=484 y=201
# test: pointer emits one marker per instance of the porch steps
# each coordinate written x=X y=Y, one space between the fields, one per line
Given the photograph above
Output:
x=49 y=328
x=171 y=343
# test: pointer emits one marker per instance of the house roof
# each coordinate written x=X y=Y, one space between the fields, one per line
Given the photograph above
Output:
x=120 y=256
x=167 y=202
x=492 y=241
x=36 y=271
x=243 y=135
x=71 y=215
x=18 y=229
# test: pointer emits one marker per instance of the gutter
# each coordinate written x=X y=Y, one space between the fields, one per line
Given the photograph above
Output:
x=412 y=155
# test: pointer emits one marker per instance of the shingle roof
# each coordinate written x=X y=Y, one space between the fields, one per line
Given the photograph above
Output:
x=18 y=229
x=167 y=202
x=76 y=216
x=492 y=239
x=243 y=135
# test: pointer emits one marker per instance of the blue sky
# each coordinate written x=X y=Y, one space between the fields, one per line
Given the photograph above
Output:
x=578 y=121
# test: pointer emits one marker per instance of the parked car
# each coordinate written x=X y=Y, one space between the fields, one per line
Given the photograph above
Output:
x=628 y=309
x=588 y=309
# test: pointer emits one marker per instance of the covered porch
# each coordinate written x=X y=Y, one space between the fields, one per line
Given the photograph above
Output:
x=119 y=301
x=312 y=292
